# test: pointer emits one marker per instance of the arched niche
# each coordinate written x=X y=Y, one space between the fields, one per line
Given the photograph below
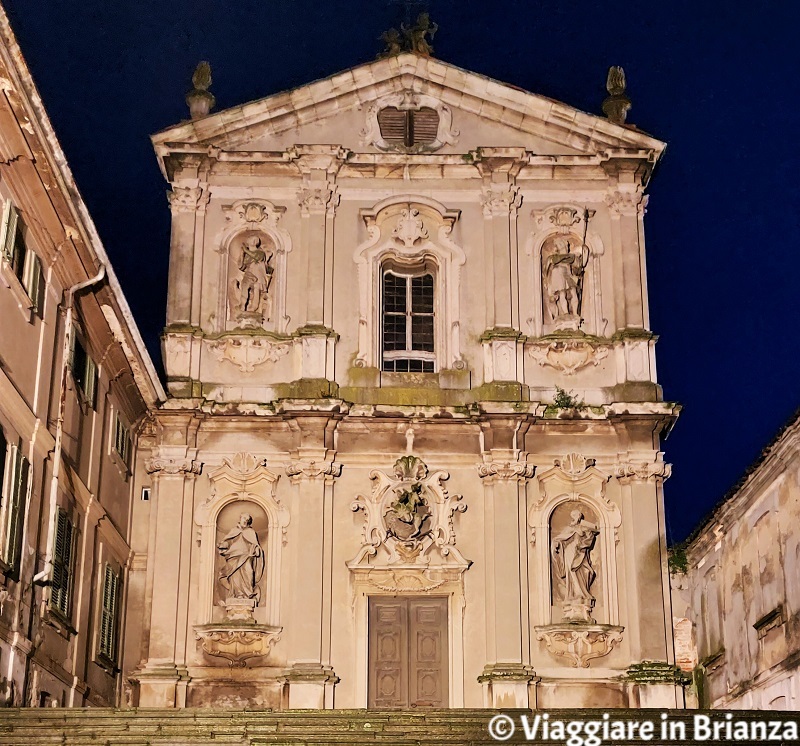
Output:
x=247 y=220
x=574 y=484
x=241 y=484
x=410 y=231
x=562 y=231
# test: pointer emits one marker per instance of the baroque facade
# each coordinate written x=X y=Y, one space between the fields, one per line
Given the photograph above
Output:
x=736 y=593
x=75 y=384
x=411 y=455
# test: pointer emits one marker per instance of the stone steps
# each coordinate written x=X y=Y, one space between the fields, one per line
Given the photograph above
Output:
x=206 y=727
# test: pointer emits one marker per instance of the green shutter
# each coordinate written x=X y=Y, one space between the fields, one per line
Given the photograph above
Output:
x=32 y=279
x=61 y=589
x=8 y=230
x=90 y=385
x=15 y=509
x=108 y=614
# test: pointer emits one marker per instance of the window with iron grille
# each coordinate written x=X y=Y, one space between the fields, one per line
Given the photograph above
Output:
x=122 y=439
x=107 y=644
x=84 y=371
x=63 y=550
x=16 y=480
x=408 y=128
x=408 y=322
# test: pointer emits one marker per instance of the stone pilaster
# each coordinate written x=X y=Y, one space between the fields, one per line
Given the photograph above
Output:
x=508 y=675
x=641 y=482
x=183 y=202
x=163 y=679
x=310 y=679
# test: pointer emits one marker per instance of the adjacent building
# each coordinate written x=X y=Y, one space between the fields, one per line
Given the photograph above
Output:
x=737 y=588
x=75 y=386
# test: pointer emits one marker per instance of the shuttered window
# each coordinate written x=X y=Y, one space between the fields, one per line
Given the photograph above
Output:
x=408 y=322
x=24 y=262
x=408 y=128
x=16 y=485
x=63 y=550
x=108 y=614
x=84 y=371
x=122 y=439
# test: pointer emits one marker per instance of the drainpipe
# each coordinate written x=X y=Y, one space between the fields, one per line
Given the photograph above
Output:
x=69 y=297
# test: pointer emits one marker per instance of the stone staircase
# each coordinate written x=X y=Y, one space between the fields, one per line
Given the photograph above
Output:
x=216 y=727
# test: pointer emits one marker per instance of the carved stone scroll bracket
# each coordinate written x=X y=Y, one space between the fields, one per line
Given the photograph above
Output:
x=173 y=466
x=579 y=643
x=237 y=643
x=246 y=353
x=643 y=471
x=568 y=356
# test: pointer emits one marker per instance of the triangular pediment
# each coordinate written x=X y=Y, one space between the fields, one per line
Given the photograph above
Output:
x=336 y=110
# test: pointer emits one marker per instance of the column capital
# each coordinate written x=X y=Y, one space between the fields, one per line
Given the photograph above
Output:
x=642 y=471
x=186 y=198
x=506 y=470
x=627 y=201
x=310 y=469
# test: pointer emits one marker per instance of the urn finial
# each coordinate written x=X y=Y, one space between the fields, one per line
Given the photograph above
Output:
x=616 y=106
x=200 y=100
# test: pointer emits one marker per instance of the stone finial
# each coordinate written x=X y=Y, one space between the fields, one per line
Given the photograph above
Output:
x=416 y=38
x=616 y=106
x=200 y=100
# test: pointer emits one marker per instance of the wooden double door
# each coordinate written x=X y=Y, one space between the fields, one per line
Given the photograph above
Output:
x=408 y=647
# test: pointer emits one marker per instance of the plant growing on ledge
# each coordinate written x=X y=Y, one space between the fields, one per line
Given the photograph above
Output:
x=567 y=400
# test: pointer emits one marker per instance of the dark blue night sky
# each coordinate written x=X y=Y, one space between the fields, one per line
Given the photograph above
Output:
x=718 y=81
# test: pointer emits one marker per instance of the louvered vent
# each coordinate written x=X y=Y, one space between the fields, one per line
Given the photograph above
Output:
x=393 y=124
x=408 y=129
x=426 y=126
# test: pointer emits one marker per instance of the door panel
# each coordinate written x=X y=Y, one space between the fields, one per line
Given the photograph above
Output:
x=407 y=652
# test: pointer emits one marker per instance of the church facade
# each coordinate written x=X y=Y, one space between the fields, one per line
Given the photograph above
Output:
x=411 y=455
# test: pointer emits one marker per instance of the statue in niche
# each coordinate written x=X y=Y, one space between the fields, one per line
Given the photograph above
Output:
x=248 y=294
x=244 y=564
x=563 y=267
x=571 y=550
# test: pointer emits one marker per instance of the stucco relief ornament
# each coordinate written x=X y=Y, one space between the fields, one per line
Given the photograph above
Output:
x=568 y=356
x=410 y=228
x=410 y=516
x=172 y=466
x=246 y=353
x=248 y=294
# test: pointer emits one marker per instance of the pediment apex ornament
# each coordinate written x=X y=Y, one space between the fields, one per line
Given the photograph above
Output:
x=408 y=518
x=173 y=466
x=506 y=470
x=643 y=471
x=579 y=643
x=568 y=356
x=248 y=352
x=573 y=464
x=242 y=471
x=410 y=228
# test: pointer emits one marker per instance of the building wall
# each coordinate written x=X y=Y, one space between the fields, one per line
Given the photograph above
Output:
x=741 y=590
x=50 y=652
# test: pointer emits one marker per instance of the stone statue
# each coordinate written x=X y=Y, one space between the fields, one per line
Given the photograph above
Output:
x=200 y=100
x=616 y=106
x=244 y=563
x=562 y=275
x=416 y=38
x=571 y=551
x=249 y=294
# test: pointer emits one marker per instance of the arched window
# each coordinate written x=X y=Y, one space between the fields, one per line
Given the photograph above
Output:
x=408 y=319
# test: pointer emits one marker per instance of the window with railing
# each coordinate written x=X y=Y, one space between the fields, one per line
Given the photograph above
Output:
x=408 y=320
